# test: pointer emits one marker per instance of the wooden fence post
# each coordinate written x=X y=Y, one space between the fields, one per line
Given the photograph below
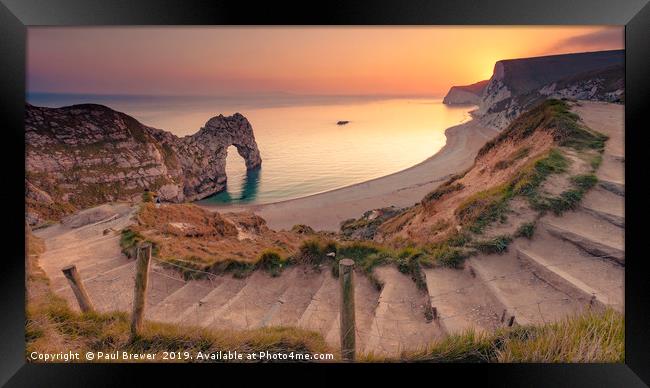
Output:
x=140 y=291
x=71 y=273
x=346 y=276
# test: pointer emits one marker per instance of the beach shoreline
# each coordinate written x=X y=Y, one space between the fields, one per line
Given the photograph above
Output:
x=325 y=211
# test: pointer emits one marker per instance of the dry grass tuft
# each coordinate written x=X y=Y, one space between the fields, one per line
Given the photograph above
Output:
x=593 y=336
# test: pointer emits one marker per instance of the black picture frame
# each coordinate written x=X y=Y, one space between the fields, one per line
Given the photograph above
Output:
x=17 y=15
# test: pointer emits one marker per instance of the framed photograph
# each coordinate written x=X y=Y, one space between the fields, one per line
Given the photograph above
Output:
x=332 y=185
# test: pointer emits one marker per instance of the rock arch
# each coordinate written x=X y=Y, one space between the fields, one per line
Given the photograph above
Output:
x=206 y=151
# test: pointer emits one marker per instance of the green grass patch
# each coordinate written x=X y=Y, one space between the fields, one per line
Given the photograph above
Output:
x=498 y=244
x=529 y=178
x=584 y=182
x=526 y=230
x=458 y=239
x=484 y=208
x=366 y=256
x=569 y=199
x=448 y=256
x=596 y=161
x=315 y=251
x=271 y=262
x=408 y=262
x=129 y=241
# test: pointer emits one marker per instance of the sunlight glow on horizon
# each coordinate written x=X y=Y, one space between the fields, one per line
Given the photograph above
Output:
x=301 y=60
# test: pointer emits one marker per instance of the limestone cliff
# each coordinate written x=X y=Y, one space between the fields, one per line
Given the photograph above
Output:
x=466 y=94
x=518 y=84
x=83 y=155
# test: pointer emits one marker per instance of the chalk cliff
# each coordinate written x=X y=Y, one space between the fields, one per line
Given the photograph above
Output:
x=466 y=94
x=518 y=84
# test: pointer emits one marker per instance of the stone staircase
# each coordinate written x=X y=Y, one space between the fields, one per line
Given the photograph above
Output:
x=302 y=296
x=572 y=262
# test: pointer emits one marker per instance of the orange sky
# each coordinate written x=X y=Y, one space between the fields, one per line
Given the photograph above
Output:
x=306 y=60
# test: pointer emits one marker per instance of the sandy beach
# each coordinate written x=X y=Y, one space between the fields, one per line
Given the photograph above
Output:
x=325 y=211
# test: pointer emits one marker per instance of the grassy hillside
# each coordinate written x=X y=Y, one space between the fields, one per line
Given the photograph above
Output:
x=543 y=162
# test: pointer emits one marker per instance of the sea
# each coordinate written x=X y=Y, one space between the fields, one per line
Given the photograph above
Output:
x=304 y=149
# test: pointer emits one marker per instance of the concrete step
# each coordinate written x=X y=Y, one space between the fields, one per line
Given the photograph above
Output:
x=162 y=283
x=113 y=290
x=592 y=234
x=577 y=267
x=399 y=322
x=291 y=305
x=67 y=245
x=605 y=205
x=531 y=298
x=247 y=309
x=366 y=298
x=617 y=188
x=88 y=270
x=114 y=279
x=324 y=306
x=612 y=170
x=205 y=310
x=171 y=308
x=462 y=301
x=105 y=248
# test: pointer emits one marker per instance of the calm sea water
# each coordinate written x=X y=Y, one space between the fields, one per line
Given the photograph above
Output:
x=303 y=150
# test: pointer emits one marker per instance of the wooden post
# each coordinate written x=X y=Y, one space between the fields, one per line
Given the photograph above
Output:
x=511 y=321
x=140 y=292
x=346 y=276
x=592 y=301
x=503 y=316
x=71 y=273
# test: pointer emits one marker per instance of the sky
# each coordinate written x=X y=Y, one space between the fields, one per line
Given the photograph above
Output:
x=302 y=60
